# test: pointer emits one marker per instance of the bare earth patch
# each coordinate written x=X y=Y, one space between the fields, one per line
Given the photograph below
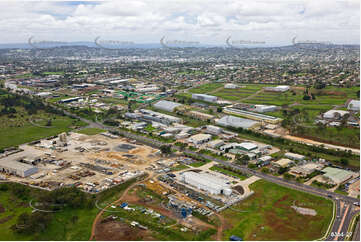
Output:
x=305 y=211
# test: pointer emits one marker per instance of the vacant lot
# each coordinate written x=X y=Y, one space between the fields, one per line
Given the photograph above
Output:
x=90 y=131
x=267 y=215
x=23 y=128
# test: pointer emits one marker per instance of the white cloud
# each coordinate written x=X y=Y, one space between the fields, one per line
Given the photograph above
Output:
x=148 y=20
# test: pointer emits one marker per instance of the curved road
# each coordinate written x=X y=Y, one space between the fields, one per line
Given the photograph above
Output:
x=99 y=215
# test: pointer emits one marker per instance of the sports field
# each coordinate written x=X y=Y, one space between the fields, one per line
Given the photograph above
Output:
x=267 y=215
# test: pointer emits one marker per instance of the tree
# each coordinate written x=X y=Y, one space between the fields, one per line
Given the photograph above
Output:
x=344 y=161
x=166 y=149
x=306 y=97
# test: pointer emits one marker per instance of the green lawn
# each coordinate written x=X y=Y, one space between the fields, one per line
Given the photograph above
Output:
x=205 y=88
x=179 y=167
x=91 y=131
x=227 y=172
x=267 y=215
x=53 y=73
x=25 y=131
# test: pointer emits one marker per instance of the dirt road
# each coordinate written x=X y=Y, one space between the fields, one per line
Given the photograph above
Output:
x=99 y=215
x=312 y=142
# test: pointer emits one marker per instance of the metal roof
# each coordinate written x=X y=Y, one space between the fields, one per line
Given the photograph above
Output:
x=337 y=175
x=236 y=122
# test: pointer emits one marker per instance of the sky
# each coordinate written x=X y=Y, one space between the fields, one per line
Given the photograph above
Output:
x=202 y=21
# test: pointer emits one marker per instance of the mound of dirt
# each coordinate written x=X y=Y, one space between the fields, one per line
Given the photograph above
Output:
x=118 y=231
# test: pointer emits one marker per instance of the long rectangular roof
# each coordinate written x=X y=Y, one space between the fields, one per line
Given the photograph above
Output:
x=12 y=164
x=236 y=122
x=207 y=179
x=168 y=105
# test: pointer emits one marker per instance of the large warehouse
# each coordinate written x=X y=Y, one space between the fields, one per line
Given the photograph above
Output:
x=207 y=182
x=17 y=168
x=167 y=105
x=236 y=122
x=335 y=175
x=204 y=97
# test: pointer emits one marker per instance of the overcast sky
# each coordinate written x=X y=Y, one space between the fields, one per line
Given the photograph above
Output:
x=204 y=21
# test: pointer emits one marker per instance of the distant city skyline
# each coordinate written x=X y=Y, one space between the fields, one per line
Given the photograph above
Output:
x=205 y=21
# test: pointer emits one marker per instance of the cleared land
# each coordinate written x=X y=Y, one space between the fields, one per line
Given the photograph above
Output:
x=268 y=215
x=91 y=131
x=22 y=128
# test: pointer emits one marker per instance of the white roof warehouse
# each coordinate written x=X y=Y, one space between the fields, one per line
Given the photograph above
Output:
x=13 y=167
x=167 y=105
x=236 y=122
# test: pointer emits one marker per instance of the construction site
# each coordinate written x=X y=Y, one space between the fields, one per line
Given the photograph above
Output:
x=90 y=162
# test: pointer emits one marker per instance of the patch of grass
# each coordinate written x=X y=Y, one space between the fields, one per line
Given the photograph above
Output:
x=205 y=88
x=90 y=131
x=179 y=167
x=53 y=73
x=227 y=172
x=267 y=215
x=25 y=132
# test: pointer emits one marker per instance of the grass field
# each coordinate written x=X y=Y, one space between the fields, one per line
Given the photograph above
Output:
x=91 y=131
x=227 y=172
x=60 y=228
x=19 y=130
x=205 y=88
x=267 y=215
x=218 y=90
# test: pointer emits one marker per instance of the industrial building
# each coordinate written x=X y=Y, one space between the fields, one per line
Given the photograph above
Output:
x=335 y=114
x=211 y=129
x=69 y=100
x=200 y=115
x=215 y=143
x=148 y=115
x=294 y=156
x=44 y=94
x=253 y=116
x=354 y=105
x=282 y=88
x=245 y=146
x=204 y=97
x=264 y=108
x=167 y=105
x=306 y=169
x=230 y=86
x=335 y=175
x=284 y=163
x=235 y=122
x=264 y=160
x=200 y=138
x=207 y=182
x=13 y=167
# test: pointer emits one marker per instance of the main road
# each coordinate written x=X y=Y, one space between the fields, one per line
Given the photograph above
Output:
x=345 y=210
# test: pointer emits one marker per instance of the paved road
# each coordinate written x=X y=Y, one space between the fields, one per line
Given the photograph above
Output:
x=356 y=235
x=345 y=209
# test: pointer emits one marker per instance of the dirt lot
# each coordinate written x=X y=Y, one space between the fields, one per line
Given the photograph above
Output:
x=115 y=230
